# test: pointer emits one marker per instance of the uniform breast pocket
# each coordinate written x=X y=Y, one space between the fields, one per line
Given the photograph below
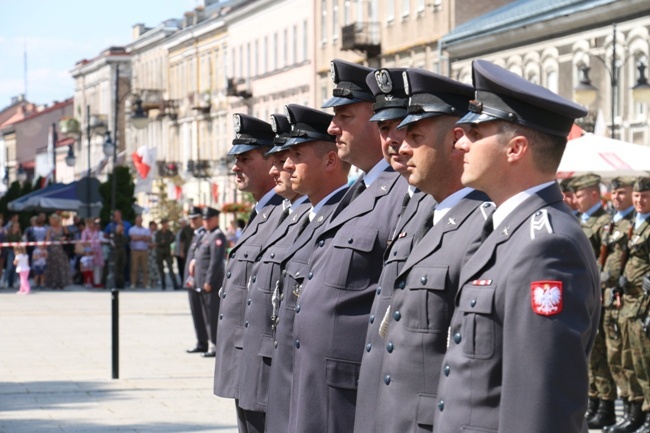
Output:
x=271 y=273
x=351 y=259
x=478 y=327
x=294 y=277
x=245 y=257
x=427 y=300
x=400 y=250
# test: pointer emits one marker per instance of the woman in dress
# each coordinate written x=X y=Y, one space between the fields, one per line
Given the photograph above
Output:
x=92 y=238
x=57 y=273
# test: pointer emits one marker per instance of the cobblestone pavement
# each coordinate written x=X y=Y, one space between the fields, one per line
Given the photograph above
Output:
x=55 y=365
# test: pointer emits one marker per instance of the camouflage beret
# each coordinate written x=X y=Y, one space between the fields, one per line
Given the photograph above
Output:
x=585 y=181
x=642 y=184
x=565 y=184
x=621 y=181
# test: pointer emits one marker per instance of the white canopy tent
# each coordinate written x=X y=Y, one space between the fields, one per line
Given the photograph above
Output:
x=605 y=156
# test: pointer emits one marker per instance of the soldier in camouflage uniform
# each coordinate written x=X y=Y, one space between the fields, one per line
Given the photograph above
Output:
x=569 y=195
x=602 y=387
x=635 y=282
x=613 y=255
x=163 y=240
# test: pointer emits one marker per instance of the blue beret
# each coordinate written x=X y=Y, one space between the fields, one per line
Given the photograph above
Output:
x=503 y=95
x=250 y=133
x=307 y=124
x=390 y=98
x=351 y=87
x=434 y=95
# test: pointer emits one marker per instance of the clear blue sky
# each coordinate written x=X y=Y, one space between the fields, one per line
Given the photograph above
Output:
x=58 y=33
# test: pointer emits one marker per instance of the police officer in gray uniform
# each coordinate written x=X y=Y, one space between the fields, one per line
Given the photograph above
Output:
x=418 y=317
x=390 y=109
x=334 y=302
x=257 y=348
x=528 y=304
x=253 y=139
x=209 y=266
x=200 y=322
x=318 y=172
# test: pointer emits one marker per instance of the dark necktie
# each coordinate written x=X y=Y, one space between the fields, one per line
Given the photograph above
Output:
x=251 y=217
x=405 y=202
x=361 y=187
x=285 y=214
x=428 y=223
x=357 y=188
x=488 y=227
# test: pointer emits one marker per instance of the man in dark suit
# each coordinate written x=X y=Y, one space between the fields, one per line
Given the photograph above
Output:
x=257 y=349
x=209 y=270
x=416 y=322
x=390 y=107
x=254 y=138
x=200 y=322
x=317 y=172
x=334 y=302
x=528 y=305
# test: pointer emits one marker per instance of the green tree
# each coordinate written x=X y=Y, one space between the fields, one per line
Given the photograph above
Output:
x=12 y=194
x=166 y=207
x=124 y=198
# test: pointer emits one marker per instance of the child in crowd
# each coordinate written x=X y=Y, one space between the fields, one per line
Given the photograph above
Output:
x=39 y=262
x=87 y=265
x=21 y=262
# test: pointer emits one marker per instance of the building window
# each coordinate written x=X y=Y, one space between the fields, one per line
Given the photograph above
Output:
x=323 y=21
x=294 y=44
x=305 y=40
x=421 y=6
x=390 y=10
x=346 y=12
x=335 y=20
x=285 y=48
x=256 y=54
x=248 y=60
x=406 y=8
x=275 y=51
x=323 y=92
x=551 y=81
x=265 y=54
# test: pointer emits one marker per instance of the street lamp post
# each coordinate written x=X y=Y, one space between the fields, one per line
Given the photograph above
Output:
x=585 y=93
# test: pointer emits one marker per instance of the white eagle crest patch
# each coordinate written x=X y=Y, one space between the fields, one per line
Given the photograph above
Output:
x=383 y=81
x=236 y=120
x=333 y=71
x=546 y=297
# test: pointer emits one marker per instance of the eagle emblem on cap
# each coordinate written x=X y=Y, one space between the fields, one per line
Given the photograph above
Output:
x=333 y=71
x=407 y=86
x=383 y=81
x=236 y=120
x=274 y=124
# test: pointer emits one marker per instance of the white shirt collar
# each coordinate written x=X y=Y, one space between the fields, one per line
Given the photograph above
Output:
x=448 y=203
x=374 y=172
x=316 y=208
x=297 y=202
x=619 y=215
x=586 y=215
x=640 y=217
x=264 y=201
x=411 y=190
x=513 y=202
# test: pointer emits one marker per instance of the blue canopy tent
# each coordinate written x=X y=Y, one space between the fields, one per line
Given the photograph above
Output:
x=60 y=196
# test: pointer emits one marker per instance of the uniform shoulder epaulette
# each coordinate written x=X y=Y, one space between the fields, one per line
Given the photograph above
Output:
x=486 y=208
x=540 y=221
